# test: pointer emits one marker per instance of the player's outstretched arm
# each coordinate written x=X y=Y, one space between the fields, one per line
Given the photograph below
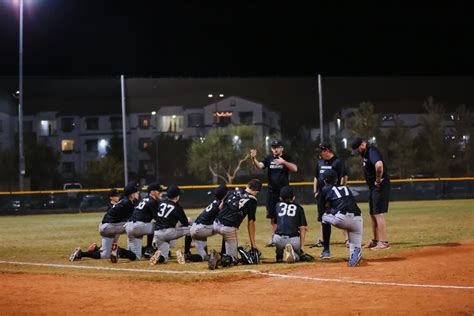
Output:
x=251 y=229
x=256 y=163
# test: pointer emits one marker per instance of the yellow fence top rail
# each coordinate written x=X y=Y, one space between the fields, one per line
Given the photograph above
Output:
x=211 y=186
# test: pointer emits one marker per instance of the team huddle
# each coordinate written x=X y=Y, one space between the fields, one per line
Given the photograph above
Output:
x=162 y=219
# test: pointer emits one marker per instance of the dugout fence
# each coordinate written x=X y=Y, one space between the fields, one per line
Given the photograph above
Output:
x=197 y=196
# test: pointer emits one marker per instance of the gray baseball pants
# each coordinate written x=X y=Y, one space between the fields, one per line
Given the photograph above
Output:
x=230 y=238
x=200 y=233
x=281 y=241
x=163 y=237
x=110 y=233
x=135 y=232
x=352 y=224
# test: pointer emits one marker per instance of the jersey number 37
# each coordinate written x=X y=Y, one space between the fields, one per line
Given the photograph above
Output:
x=163 y=207
x=287 y=209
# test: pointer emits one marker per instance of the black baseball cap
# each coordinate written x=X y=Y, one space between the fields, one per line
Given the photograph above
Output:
x=221 y=191
x=286 y=193
x=155 y=186
x=173 y=191
x=276 y=143
x=114 y=192
x=131 y=188
x=330 y=176
x=325 y=146
x=355 y=144
x=255 y=185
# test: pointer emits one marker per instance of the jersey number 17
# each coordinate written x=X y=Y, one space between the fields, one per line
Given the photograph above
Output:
x=338 y=191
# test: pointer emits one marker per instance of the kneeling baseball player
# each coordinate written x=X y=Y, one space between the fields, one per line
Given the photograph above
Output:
x=167 y=215
x=237 y=205
x=140 y=223
x=111 y=227
x=203 y=226
x=291 y=229
x=342 y=212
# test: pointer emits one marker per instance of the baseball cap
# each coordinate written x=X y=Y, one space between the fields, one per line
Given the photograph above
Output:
x=355 y=144
x=330 y=176
x=114 y=192
x=131 y=188
x=325 y=146
x=221 y=191
x=276 y=143
x=286 y=193
x=155 y=186
x=173 y=191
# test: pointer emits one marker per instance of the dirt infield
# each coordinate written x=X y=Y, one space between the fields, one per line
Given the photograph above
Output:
x=446 y=265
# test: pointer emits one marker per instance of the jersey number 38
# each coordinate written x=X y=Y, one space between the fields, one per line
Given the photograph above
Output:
x=287 y=209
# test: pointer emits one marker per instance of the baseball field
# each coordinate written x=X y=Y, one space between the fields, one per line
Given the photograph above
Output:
x=428 y=270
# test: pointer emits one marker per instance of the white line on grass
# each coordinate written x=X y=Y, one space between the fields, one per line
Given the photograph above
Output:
x=269 y=274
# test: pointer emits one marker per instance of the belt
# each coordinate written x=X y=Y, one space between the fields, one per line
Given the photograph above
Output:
x=289 y=236
x=345 y=213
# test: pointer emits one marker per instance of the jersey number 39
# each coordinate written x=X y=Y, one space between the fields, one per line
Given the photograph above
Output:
x=286 y=209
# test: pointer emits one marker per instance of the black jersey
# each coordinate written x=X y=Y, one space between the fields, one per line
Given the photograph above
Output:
x=119 y=212
x=290 y=216
x=143 y=212
x=369 y=159
x=168 y=214
x=209 y=214
x=278 y=175
x=339 y=198
x=335 y=164
x=237 y=205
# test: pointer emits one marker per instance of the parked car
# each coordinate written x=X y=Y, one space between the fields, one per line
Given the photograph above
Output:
x=93 y=202
x=72 y=186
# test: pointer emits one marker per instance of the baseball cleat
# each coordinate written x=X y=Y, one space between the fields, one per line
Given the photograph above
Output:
x=270 y=244
x=214 y=258
x=92 y=247
x=157 y=258
x=114 y=253
x=355 y=257
x=75 y=255
x=289 y=255
x=317 y=244
x=381 y=245
x=180 y=257
x=372 y=243
x=326 y=254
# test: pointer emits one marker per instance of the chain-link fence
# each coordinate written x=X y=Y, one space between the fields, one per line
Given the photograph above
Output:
x=76 y=201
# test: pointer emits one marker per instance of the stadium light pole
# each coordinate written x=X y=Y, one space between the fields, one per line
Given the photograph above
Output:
x=320 y=94
x=21 y=166
x=124 y=130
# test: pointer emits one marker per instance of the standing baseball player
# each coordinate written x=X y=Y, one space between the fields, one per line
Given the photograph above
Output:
x=140 y=223
x=203 y=226
x=291 y=228
x=278 y=165
x=167 y=215
x=328 y=161
x=376 y=177
x=112 y=225
x=237 y=205
x=341 y=211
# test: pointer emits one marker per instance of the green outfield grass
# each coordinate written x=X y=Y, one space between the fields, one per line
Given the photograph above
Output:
x=51 y=238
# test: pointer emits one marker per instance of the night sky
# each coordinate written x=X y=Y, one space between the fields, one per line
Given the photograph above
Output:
x=365 y=53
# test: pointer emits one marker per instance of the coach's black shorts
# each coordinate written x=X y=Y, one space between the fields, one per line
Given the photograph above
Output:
x=272 y=199
x=379 y=198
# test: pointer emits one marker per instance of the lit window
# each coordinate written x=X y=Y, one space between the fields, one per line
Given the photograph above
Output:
x=47 y=128
x=144 y=121
x=144 y=143
x=67 y=145
x=172 y=124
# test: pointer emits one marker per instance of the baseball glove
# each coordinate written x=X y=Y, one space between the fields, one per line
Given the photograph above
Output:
x=306 y=257
x=249 y=256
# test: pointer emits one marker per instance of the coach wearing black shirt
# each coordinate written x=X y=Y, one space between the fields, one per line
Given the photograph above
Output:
x=376 y=177
x=278 y=165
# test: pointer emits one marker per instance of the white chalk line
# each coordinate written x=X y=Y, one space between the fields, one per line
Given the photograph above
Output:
x=228 y=271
